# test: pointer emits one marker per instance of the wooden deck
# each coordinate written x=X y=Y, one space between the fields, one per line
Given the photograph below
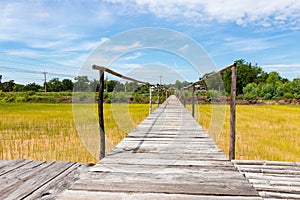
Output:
x=26 y=179
x=168 y=156
x=272 y=179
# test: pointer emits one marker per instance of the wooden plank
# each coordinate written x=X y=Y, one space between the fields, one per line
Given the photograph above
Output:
x=273 y=179
x=9 y=166
x=168 y=188
x=59 y=183
x=91 y=195
x=26 y=181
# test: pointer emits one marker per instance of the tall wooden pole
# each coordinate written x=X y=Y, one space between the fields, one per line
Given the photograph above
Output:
x=45 y=81
x=100 y=115
x=150 y=100
x=233 y=113
x=193 y=101
x=158 y=91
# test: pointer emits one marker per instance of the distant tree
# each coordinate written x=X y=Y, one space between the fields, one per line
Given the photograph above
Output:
x=18 y=87
x=54 y=85
x=32 y=87
x=94 y=85
x=67 y=84
x=110 y=85
x=273 y=77
x=131 y=86
x=8 y=86
x=119 y=87
x=246 y=73
x=81 y=84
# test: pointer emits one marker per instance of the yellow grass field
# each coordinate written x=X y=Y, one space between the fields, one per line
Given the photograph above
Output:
x=268 y=132
x=47 y=131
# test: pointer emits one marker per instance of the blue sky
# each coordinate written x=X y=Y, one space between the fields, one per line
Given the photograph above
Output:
x=58 y=36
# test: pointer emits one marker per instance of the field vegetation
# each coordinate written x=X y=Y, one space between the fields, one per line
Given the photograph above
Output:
x=42 y=131
x=268 y=132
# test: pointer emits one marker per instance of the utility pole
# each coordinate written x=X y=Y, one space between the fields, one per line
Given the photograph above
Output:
x=45 y=80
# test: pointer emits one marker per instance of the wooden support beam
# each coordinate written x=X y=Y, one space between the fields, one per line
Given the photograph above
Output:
x=96 y=67
x=101 y=115
x=233 y=113
x=208 y=76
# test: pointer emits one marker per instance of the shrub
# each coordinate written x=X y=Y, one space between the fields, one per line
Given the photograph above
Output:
x=288 y=95
x=268 y=96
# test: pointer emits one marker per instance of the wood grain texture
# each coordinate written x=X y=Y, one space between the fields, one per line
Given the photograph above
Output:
x=272 y=179
x=25 y=179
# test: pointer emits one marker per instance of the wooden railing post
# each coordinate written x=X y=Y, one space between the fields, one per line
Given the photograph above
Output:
x=100 y=115
x=233 y=113
x=150 y=100
x=184 y=98
x=158 y=90
x=193 y=101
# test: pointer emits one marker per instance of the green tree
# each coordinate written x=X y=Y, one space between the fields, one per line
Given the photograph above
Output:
x=8 y=86
x=67 y=85
x=246 y=73
x=32 y=87
x=81 y=84
x=54 y=85
x=273 y=77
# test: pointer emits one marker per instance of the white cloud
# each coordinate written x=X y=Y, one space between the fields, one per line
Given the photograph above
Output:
x=290 y=71
x=264 y=12
x=123 y=48
x=131 y=56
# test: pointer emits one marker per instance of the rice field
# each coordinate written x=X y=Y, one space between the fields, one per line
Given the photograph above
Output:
x=40 y=131
x=268 y=132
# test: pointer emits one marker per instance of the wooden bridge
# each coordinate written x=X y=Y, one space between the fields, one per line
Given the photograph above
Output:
x=168 y=156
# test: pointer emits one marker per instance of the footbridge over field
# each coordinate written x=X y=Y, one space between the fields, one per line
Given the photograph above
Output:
x=168 y=156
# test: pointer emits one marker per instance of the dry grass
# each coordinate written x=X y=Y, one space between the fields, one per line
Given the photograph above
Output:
x=47 y=131
x=269 y=132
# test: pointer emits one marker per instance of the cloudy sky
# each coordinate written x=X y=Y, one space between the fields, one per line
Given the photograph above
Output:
x=57 y=36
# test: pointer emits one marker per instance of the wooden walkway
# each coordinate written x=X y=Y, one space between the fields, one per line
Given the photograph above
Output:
x=26 y=179
x=168 y=156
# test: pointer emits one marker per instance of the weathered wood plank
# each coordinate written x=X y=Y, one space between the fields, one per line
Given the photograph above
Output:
x=91 y=195
x=22 y=179
x=8 y=166
x=273 y=179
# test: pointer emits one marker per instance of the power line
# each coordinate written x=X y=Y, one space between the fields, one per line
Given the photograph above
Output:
x=33 y=71
x=30 y=64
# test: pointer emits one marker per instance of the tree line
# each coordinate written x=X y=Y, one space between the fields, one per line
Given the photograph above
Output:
x=81 y=84
x=252 y=83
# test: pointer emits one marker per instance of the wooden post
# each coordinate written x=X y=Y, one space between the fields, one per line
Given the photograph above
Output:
x=158 y=90
x=184 y=100
x=233 y=113
x=150 y=100
x=100 y=115
x=193 y=101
